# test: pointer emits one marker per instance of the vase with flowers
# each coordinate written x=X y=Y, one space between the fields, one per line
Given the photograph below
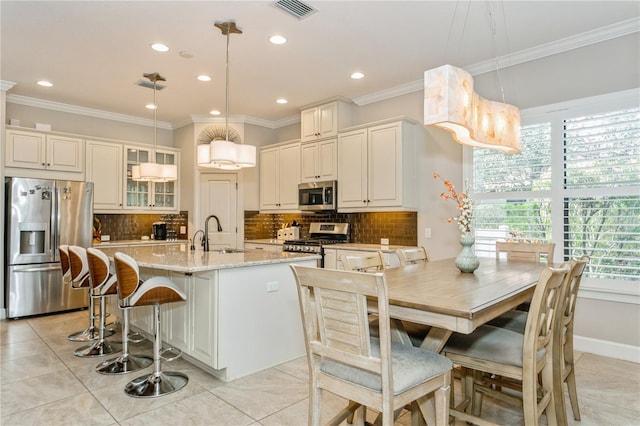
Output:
x=466 y=261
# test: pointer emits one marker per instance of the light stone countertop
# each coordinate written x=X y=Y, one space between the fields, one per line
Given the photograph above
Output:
x=367 y=247
x=177 y=257
x=265 y=241
x=124 y=243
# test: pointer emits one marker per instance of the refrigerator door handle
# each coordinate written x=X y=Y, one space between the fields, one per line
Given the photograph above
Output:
x=55 y=221
x=36 y=268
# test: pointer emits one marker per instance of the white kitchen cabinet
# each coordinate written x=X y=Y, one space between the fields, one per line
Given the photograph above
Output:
x=176 y=323
x=330 y=259
x=141 y=195
x=322 y=121
x=263 y=246
x=44 y=151
x=279 y=177
x=203 y=305
x=319 y=161
x=104 y=169
x=377 y=167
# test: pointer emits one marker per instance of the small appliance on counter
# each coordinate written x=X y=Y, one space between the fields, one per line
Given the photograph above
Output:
x=288 y=233
x=159 y=230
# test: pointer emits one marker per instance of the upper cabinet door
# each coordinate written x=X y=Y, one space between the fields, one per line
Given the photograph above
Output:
x=65 y=154
x=309 y=166
x=309 y=124
x=352 y=169
x=328 y=120
x=26 y=150
x=104 y=169
x=41 y=151
x=385 y=165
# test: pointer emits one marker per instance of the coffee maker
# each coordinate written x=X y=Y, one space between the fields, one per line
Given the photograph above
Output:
x=159 y=230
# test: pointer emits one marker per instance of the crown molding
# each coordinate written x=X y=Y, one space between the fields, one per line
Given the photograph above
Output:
x=619 y=29
x=90 y=112
x=609 y=32
x=6 y=85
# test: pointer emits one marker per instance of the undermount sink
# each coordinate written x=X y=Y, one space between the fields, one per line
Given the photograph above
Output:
x=227 y=250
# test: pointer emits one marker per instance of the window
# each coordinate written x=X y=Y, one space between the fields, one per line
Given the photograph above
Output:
x=576 y=183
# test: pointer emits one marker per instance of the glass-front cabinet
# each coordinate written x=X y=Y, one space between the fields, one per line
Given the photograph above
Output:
x=141 y=195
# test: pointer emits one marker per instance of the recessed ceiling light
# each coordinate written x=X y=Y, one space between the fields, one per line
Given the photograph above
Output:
x=204 y=78
x=185 y=54
x=214 y=112
x=281 y=101
x=159 y=47
x=45 y=83
x=277 y=39
x=150 y=106
x=357 y=75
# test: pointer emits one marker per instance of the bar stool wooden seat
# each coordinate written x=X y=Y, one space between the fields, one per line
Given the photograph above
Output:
x=368 y=263
x=101 y=285
x=408 y=256
x=77 y=274
x=126 y=362
x=155 y=291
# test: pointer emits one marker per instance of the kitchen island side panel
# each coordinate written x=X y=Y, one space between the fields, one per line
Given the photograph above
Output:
x=259 y=323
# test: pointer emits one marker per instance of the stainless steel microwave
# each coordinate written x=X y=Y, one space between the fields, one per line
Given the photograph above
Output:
x=317 y=196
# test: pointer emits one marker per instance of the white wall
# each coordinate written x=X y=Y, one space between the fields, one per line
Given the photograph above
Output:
x=3 y=120
x=85 y=125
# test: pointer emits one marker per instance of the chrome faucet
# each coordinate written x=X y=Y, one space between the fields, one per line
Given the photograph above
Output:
x=205 y=239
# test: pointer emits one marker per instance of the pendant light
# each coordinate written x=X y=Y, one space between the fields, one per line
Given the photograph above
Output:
x=225 y=154
x=151 y=171
x=451 y=104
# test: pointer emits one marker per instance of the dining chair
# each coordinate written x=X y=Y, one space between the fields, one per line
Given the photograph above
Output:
x=368 y=263
x=521 y=358
x=343 y=359
x=408 y=256
x=565 y=370
x=523 y=251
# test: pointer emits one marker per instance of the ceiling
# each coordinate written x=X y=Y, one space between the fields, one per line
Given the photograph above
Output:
x=94 y=51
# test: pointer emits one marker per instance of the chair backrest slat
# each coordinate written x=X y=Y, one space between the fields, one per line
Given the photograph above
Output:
x=369 y=263
x=527 y=252
x=408 y=256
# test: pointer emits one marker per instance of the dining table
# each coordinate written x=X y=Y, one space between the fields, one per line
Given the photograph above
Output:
x=437 y=294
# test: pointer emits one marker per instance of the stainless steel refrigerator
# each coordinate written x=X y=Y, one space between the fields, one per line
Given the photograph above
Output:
x=42 y=214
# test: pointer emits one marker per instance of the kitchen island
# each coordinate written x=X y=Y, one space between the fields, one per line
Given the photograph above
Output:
x=241 y=314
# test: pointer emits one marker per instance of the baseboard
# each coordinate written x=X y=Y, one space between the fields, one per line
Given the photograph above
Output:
x=607 y=348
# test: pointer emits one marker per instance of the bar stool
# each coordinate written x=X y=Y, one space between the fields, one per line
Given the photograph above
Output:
x=78 y=276
x=126 y=362
x=64 y=263
x=102 y=284
x=154 y=291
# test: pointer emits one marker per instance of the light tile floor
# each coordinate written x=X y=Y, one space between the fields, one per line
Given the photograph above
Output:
x=42 y=382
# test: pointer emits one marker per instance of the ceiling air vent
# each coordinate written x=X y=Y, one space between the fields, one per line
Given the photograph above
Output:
x=296 y=8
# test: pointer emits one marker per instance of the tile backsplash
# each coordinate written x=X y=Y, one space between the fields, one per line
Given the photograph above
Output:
x=366 y=228
x=135 y=226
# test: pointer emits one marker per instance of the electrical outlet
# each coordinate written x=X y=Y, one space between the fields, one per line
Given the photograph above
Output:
x=183 y=229
x=273 y=286
x=384 y=241
x=105 y=237
x=427 y=232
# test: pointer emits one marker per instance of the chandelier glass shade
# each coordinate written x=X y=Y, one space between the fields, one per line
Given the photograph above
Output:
x=154 y=172
x=225 y=154
x=451 y=104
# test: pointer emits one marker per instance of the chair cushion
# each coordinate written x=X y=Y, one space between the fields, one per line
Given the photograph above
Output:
x=410 y=366
x=512 y=320
x=490 y=343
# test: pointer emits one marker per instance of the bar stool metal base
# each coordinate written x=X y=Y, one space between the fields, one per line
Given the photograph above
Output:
x=89 y=334
x=124 y=364
x=156 y=384
x=98 y=349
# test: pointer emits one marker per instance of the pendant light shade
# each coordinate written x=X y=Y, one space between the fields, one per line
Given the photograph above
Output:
x=225 y=154
x=450 y=103
x=154 y=172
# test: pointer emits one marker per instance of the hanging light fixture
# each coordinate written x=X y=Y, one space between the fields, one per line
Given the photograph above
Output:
x=150 y=171
x=451 y=103
x=225 y=154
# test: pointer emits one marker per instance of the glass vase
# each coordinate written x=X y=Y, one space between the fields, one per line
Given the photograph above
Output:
x=467 y=261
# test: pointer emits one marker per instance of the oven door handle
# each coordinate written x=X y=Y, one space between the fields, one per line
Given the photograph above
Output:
x=36 y=268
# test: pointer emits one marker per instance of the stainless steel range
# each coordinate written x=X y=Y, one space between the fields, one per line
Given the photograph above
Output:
x=320 y=235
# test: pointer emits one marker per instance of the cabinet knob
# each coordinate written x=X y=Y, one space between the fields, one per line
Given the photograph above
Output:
x=48 y=164
x=43 y=164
